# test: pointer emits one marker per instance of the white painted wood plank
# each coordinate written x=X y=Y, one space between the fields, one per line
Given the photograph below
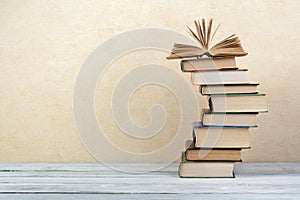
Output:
x=154 y=185
x=147 y=189
x=280 y=179
x=257 y=167
x=148 y=196
x=97 y=166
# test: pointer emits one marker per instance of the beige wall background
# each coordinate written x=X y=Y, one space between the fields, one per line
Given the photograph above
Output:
x=43 y=45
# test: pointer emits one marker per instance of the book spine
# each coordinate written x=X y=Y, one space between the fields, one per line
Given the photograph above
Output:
x=202 y=117
x=210 y=104
x=183 y=157
x=179 y=170
x=201 y=90
x=182 y=65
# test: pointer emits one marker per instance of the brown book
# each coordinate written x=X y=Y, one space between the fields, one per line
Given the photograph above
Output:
x=222 y=137
x=204 y=64
x=196 y=154
x=231 y=88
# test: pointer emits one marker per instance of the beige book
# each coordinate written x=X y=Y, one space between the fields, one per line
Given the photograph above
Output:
x=206 y=169
x=221 y=137
x=229 y=119
x=229 y=47
x=219 y=77
x=238 y=103
x=203 y=64
x=233 y=88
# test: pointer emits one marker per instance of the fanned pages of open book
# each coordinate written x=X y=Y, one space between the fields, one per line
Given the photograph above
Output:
x=230 y=46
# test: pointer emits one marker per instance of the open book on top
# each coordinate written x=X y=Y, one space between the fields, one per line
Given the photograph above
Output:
x=230 y=46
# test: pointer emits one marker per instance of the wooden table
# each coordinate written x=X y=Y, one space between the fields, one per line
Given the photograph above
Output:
x=95 y=181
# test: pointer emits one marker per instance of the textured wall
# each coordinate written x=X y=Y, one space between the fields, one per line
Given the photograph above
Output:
x=43 y=44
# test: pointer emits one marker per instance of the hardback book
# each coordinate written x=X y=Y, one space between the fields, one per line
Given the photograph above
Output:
x=231 y=88
x=208 y=63
x=229 y=47
x=221 y=137
x=192 y=169
x=206 y=169
x=238 y=103
x=228 y=119
x=197 y=154
x=219 y=77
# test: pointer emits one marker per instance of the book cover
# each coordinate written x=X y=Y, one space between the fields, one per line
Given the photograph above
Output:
x=221 y=136
x=208 y=63
x=229 y=88
x=194 y=169
x=219 y=77
x=238 y=103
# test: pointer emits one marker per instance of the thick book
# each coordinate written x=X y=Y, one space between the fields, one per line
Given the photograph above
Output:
x=242 y=103
x=194 y=169
x=206 y=170
x=208 y=63
x=221 y=137
x=229 y=47
x=197 y=154
x=228 y=119
x=231 y=88
x=219 y=77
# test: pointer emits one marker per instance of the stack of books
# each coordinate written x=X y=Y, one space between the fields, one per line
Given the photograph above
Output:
x=234 y=103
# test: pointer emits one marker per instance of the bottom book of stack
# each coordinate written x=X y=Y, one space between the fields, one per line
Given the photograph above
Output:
x=213 y=163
